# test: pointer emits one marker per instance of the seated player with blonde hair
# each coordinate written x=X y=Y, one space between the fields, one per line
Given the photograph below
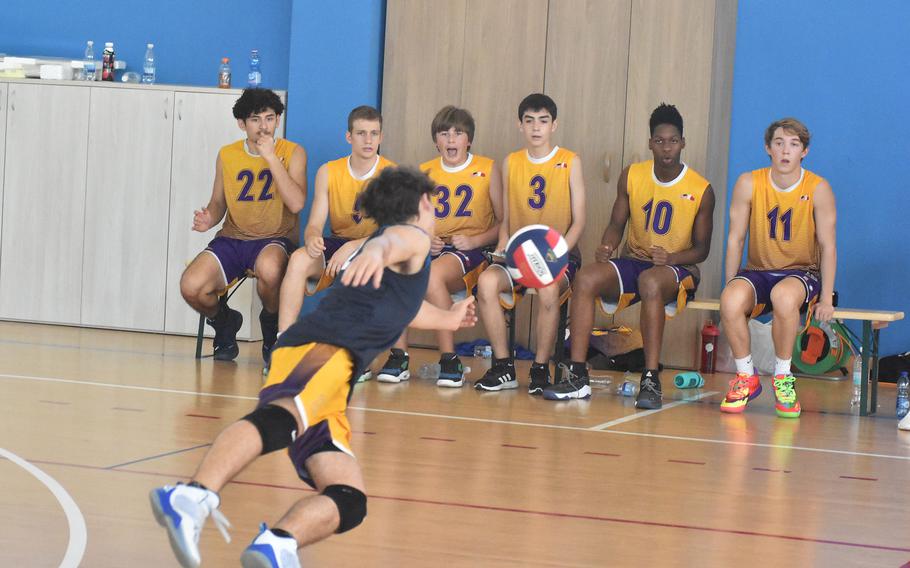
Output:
x=468 y=205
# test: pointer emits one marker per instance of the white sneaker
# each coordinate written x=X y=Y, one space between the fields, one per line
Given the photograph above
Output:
x=182 y=510
x=270 y=551
x=367 y=375
x=904 y=424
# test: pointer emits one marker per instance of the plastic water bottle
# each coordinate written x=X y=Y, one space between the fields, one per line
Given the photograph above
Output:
x=483 y=351
x=428 y=371
x=903 y=394
x=107 y=62
x=224 y=74
x=148 y=65
x=255 y=77
x=89 y=61
x=857 y=379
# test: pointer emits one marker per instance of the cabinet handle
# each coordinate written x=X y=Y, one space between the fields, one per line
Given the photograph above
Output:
x=166 y=99
x=180 y=109
x=12 y=100
x=606 y=170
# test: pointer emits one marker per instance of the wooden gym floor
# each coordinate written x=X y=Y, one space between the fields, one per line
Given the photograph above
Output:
x=91 y=420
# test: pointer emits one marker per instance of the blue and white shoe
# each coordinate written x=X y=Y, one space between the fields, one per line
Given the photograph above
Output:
x=270 y=551
x=182 y=510
x=395 y=369
x=451 y=371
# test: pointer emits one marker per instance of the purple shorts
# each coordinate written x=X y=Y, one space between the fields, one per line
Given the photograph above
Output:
x=509 y=299
x=763 y=281
x=332 y=244
x=316 y=439
x=629 y=270
x=238 y=257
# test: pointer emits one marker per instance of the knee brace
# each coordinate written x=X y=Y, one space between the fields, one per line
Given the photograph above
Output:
x=276 y=426
x=351 y=503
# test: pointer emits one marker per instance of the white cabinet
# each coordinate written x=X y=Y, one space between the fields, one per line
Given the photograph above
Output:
x=44 y=202
x=203 y=124
x=3 y=93
x=126 y=208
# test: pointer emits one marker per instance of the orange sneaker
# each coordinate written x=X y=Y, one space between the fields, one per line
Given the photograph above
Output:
x=743 y=388
x=786 y=404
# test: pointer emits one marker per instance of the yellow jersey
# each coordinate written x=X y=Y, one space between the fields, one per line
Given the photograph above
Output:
x=538 y=191
x=782 y=224
x=661 y=214
x=462 y=200
x=345 y=218
x=254 y=206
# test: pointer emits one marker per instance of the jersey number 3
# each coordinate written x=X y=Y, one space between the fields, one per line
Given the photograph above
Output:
x=247 y=177
x=539 y=199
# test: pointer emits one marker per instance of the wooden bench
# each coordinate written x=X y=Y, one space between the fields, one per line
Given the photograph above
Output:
x=873 y=322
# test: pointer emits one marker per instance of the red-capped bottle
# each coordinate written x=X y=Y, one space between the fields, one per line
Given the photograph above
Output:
x=709 y=336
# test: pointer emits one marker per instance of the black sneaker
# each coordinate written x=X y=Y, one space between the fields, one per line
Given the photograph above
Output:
x=395 y=368
x=498 y=377
x=451 y=371
x=269 y=325
x=226 y=323
x=649 y=394
x=540 y=378
x=574 y=383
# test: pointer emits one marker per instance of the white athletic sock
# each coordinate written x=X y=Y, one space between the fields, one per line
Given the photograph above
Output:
x=745 y=365
x=781 y=366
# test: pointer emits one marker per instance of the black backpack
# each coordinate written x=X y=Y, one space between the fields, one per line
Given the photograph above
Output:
x=890 y=367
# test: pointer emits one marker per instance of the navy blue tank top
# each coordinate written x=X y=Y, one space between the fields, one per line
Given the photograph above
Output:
x=364 y=320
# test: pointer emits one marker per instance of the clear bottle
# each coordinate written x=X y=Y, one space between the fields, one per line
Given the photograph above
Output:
x=254 y=79
x=107 y=62
x=224 y=74
x=88 y=65
x=428 y=371
x=903 y=394
x=483 y=351
x=857 y=379
x=148 y=65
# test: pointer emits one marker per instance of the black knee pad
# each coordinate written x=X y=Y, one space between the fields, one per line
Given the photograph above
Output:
x=276 y=426
x=351 y=503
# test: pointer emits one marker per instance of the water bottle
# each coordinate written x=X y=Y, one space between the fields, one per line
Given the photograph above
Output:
x=857 y=379
x=602 y=381
x=627 y=388
x=148 y=65
x=903 y=395
x=428 y=371
x=255 y=77
x=89 y=62
x=224 y=74
x=107 y=62
x=483 y=351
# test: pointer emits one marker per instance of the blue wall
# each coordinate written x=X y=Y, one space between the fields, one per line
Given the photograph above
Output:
x=336 y=65
x=841 y=68
x=190 y=37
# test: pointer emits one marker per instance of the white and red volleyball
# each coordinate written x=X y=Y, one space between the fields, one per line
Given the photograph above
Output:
x=536 y=256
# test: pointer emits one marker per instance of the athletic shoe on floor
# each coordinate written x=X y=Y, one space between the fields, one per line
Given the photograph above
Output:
x=574 y=384
x=539 y=379
x=649 y=395
x=269 y=550
x=500 y=376
x=743 y=388
x=786 y=404
x=182 y=510
x=904 y=424
x=365 y=376
x=451 y=371
x=395 y=368
x=226 y=323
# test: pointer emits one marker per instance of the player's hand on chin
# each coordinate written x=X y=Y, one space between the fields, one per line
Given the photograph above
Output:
x=367 y=266
x=464 y=313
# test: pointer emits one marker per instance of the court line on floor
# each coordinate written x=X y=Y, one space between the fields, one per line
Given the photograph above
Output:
x=164 y=455
x=479 y=420
x=552 y=514
x=75 y=548
x=646 y=413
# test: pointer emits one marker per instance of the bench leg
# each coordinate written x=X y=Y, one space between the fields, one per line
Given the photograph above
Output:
x=873 y=377
x=560 y=348
x=864 y=409
x=199 y=336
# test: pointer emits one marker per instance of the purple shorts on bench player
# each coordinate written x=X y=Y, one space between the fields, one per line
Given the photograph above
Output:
x=238 y=257
x=763 y=281
x=629 y=270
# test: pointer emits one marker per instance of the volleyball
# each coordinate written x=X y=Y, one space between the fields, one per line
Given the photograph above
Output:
x=536 y=256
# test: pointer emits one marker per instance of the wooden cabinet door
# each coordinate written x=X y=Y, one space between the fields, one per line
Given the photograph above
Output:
x=424 y=51
x=203 y=123
x=44 y=202
x=126 y=215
